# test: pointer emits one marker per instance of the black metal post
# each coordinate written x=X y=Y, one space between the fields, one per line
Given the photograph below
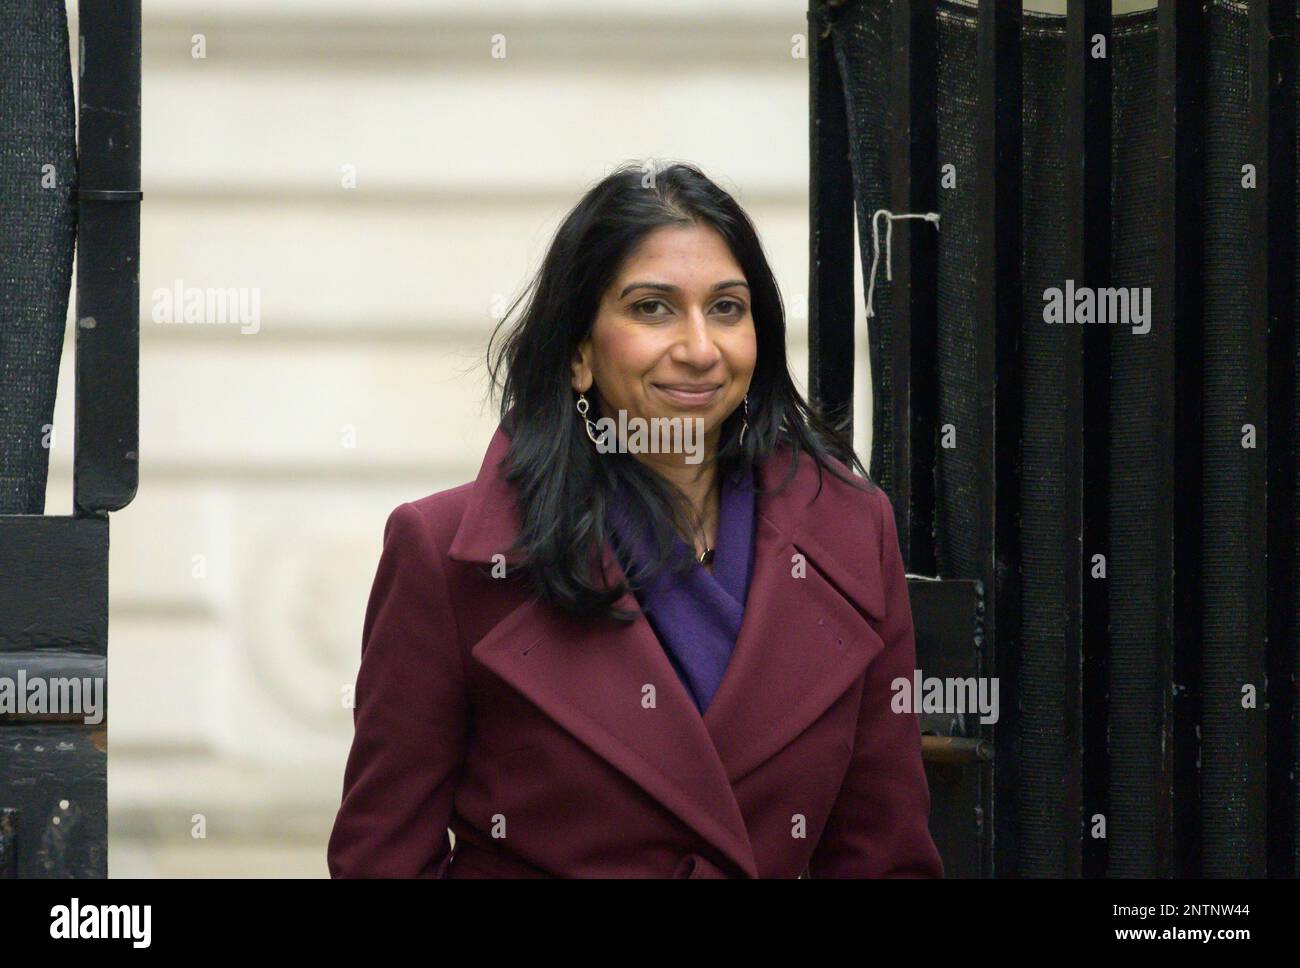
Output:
x=1272 y=292
x=914 y=403
x=107 y=434
x=998 y=313
x=1176 y=300
x=830 y=270
x=1086 y=431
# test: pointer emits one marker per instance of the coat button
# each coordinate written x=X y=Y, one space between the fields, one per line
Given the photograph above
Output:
x=687 y=866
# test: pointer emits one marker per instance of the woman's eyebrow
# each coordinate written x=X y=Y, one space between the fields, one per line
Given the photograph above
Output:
x=666 y=287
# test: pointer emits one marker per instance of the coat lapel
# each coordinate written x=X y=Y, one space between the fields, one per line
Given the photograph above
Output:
x=802 y=644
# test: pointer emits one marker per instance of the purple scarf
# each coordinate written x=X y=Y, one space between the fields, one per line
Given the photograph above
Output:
x=697 y=616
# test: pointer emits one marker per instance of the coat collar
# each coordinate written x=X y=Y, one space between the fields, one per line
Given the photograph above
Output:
x=802 y=644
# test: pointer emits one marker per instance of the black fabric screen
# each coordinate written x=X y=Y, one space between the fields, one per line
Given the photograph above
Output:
x=1134 y=572
x=1043 y=444
x=1226 y=549
x=862 y=52
x=1144 y=663
x=38 y=177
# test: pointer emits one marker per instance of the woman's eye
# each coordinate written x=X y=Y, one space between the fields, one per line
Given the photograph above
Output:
x=728 y=307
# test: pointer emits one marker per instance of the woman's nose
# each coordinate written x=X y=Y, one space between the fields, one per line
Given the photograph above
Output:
x=696 y=343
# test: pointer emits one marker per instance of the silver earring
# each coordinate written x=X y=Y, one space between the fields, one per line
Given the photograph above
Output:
x=583 y=406
x=744 y=426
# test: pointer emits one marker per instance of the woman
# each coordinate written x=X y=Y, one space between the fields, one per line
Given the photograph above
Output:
x=548 y=668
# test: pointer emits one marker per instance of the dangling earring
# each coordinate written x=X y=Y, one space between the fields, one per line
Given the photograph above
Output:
x=744 y=426
x=583 y=406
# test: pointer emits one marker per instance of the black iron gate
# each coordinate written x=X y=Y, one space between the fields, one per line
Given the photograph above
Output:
x=1110 y=503
x=53 y=568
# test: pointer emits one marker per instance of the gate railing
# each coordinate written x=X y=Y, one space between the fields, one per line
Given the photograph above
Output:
x=1119 y=500
x=54 y=568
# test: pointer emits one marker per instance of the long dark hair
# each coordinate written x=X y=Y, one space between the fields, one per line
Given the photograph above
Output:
x=564 y=485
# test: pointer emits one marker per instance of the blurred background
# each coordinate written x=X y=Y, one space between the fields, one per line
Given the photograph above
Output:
x=378 y=182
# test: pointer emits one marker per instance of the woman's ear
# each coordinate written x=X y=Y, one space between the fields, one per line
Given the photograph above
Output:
x=582 y=378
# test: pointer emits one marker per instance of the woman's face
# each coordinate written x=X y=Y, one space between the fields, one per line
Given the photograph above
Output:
x=673 y=335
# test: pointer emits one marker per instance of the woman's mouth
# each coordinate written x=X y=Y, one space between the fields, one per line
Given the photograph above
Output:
x=689 y=394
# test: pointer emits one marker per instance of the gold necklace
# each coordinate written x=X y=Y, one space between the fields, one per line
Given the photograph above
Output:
x=705 y=556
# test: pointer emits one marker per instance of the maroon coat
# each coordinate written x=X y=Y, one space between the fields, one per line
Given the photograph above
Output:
x=527 y=730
